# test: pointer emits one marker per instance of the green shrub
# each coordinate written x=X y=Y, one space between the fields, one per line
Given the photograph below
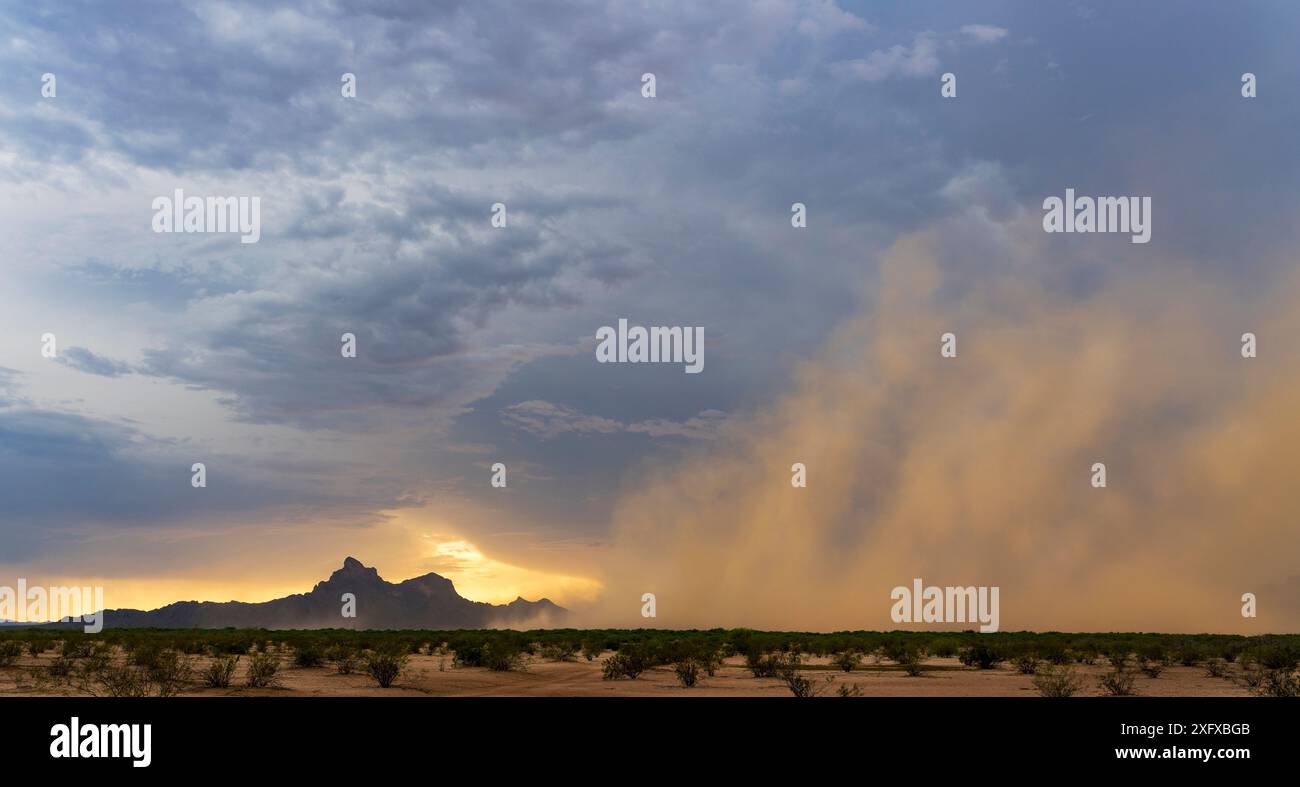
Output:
x=169 y=672
x=1026 y=664
x=944 y=648
x=385 y=667
x=787 y=671
x=125 y=681
x=1052 y=653
x=688 y=672
x=60 y=668
x=469 y=655
x=1278 y=683
x=1117 y=683
x=764 y=665
x=1276 y=657
x=220 y=672
x=346 y=661
x=10 y=650
x=1057 y=682
x=628 y=663
x=503 y=656
x=1216 y=668
x=847 y=660
x=981 y=657
x=559 y=652
x=910 y=660
x=307 y=655
x=263 y=667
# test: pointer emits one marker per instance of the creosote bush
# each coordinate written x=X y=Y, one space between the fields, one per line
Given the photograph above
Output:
x=263 y=666
x=385 y=667
x=1057 y=682
x=688 y=672
x=307 y=655
x=9 y=652
x=1026 y=664
x=220 y=672
x=1117 y=683
x=981 y=656
x=847 y=660
x=626 y=663
x=910 y=660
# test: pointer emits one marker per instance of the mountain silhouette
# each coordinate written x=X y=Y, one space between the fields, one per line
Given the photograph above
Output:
x=424 y=602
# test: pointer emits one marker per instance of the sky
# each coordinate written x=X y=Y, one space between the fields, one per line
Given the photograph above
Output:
x=476 y=344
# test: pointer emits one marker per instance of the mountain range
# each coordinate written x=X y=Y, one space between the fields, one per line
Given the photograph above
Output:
x=425 y=602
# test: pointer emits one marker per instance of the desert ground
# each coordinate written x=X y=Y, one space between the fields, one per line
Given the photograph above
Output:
x=438 y=675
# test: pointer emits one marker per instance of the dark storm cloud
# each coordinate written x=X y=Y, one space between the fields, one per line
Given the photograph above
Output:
x=670 y=212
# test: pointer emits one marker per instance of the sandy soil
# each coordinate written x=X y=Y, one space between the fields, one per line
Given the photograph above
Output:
x=436 y=676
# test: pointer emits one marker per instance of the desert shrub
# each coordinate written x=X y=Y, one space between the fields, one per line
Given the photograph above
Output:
x=1276 y=657
x=710 y=660
x=896 y=650
x=628 y=662
x=468 y=655
x=910 y=660
x=593 y=648
x=503 y=656
x=144 y=655
x=60 y=668
x=99 y=658
x=1026 y=664
x=169 y=672
x=1117 y=683
x=849 y=690
x=1057 y=682
x=981 y=657
x=1118 y=659
x=1216 y=668
x=1189 y=655
x=1052 y=653
x=220 y=672
x=307 y=655
x=346 y=660
x=559 y=651
x=688 y=672
x=944 y=648
x=385 y=666
x=37 y=646
x=1152 y=651
x=1152 y=669
x=75 y=648
x=847 y=660
x=263 y=667
x=787 y=671
x=124 y=681
x=1277 y=683
x=765 y=665
x=10 y=650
